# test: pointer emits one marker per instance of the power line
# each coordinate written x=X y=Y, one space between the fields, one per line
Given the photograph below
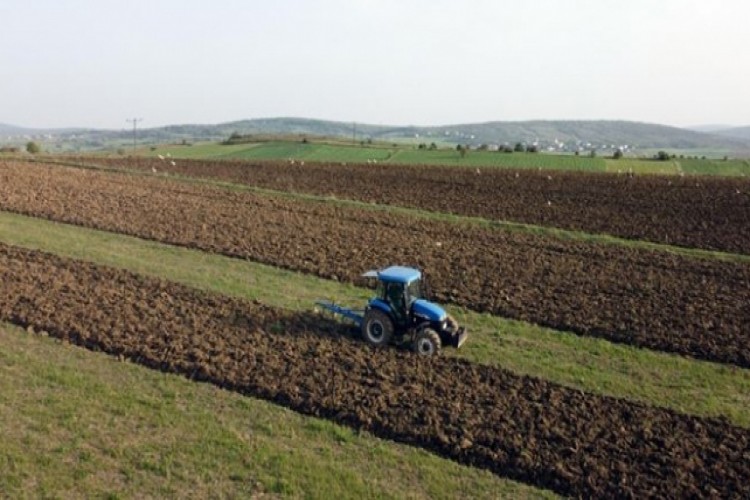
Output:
x=134 y=121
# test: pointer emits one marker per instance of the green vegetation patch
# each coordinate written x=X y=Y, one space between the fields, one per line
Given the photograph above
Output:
x=681 y=165
x=280 y=150
x=392 y=153
x=476 y=158
x=409 y=154
x=715 y=167
x=635 y=166
x=686 y=385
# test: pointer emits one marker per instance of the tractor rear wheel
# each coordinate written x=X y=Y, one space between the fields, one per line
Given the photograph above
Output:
x=377 y=328
x=427 y=342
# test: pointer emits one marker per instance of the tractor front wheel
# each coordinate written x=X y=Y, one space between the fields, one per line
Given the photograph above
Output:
x=377 y=328
x=427 y=342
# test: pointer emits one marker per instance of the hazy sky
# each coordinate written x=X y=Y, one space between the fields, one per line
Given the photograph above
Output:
x=94 y=63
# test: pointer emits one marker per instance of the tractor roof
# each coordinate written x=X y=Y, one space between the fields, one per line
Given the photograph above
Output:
x=395 y=274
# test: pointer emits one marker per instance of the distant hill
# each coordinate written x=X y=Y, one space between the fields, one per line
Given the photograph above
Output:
x=634 y=134
x=709 y=128
x=552 y=134
x=593 y=133
x=14 y=132
x=735 y=132
x=11 y=130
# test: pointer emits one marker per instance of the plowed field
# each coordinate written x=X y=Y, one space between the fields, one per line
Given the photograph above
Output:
x=518 y=427
x=657 y=300
x=698 y=212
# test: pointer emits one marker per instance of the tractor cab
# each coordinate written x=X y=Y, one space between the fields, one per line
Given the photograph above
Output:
x=399 y=309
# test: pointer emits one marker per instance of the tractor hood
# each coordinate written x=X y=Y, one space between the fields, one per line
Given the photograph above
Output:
x=427 y=309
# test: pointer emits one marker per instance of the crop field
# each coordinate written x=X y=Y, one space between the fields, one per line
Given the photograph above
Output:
x=707 y=213
x=550 y=435
x=521 y=276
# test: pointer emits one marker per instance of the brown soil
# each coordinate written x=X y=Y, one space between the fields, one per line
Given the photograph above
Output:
x=519 y=427
x=698 y=212
x=696 y=307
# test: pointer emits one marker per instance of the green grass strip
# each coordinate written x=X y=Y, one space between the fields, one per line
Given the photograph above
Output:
x=595 y=365
x=78 y=424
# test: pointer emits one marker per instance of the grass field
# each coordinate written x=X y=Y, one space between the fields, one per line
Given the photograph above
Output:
x=408 y=155
x=632 y=165
x=283 y=150
x=496 y=159
x=722 y=167
x=590 y=364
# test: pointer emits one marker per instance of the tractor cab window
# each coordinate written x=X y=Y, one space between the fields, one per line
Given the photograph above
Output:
x=414 y=291
x=394 y=295
x=380 y=291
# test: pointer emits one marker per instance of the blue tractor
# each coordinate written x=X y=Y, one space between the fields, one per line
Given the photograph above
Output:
x=399 y=312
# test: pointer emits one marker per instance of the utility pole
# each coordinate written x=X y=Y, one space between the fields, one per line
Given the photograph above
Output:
x=354 y=132
x=134 y=121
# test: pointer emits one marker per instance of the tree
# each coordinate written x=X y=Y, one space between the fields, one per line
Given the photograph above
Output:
x=433 y=146
x=662 y=156
x=32 y=147
x=519 y=147
x=618 y=154
x=532 y=149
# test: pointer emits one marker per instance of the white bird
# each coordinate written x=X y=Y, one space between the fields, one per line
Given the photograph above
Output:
x=160 y=157
x=153 y=170
x=173 y=163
